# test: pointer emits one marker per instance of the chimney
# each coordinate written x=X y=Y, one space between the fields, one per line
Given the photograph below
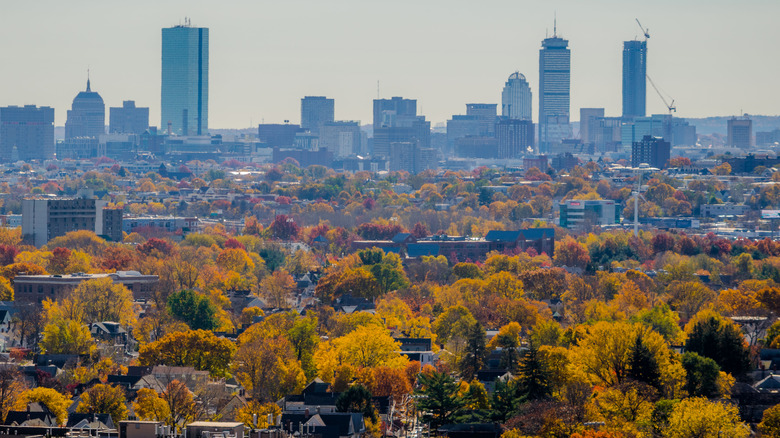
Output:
x=307 y=413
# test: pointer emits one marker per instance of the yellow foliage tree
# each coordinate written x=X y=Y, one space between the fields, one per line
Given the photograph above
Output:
x=699 y=417
x=247 y=414
x=55 y=401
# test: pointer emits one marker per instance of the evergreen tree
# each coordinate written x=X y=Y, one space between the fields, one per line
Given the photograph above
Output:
x=476 y=351
x=439 y=397
x=701 y=375
x=505 y=400
x=356 y=399
x=721 y=341
x=533 y=376
x=644 y=366
x=509 y=356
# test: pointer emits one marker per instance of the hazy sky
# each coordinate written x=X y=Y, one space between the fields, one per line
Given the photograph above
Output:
x=714 y=57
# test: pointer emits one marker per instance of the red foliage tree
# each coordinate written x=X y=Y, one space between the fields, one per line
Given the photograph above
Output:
x=284 y=227
x=420 y=230
x=8 y=254
x=371 y=231
x=156 y=245
x=232 y=243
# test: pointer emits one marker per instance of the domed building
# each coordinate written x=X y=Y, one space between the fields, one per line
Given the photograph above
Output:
x=87 y=116
x=516 y=98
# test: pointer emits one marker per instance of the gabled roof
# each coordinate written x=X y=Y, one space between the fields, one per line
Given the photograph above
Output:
x=90 y=421
x=401 y=237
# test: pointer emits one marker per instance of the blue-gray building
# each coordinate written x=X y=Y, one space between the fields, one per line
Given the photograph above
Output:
x=554 y=91
x=634 y=78
x=87 y=116
x=185 y=80
x=315 y=112
x=26 y=133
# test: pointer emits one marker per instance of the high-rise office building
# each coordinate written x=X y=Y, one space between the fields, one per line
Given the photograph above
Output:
x=87 y=116
x=740 y=132
x=515 y=137
x=589 y=124
x=26 y=133
x=387 y=111
x=185 y=80
x=554 y=91
x=634 y=78
x=654 y=151
x=315 y=112
x=128 y=119
x=516 y=98
x=343 y=138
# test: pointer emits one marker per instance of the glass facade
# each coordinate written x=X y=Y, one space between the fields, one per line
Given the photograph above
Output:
x=185 y=80
x=634 y=82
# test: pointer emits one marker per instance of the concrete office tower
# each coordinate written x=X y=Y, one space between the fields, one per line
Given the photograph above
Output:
x=634 y=78
x=514 y=137
x=26 y=133
x=87 y=116
x=343 y=138
x=740 y=132
x=315 y=112
x=387 y=111
x=128 y=119
x=185 y=80
x=516 y=98
x=554 y=91
x=589 y=124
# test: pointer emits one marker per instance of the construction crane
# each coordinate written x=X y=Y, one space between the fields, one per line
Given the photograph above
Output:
x=669 y=106
x=644 y=31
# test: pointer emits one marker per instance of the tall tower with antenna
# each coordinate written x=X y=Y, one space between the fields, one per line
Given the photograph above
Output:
x=185 y=79
x=554 y=90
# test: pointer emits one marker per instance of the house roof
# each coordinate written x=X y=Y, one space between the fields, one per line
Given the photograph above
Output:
x=422 y=249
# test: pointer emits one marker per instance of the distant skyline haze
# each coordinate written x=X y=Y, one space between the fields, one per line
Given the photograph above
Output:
x=712 y=57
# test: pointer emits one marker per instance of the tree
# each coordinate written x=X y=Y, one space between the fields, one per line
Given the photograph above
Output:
x=12 y=385
x=260 y=411
x=569 y=252
x=57 y=403
x=356 y=399
x=148 y=406
x=367 y=346
x=278 y=288
x=266 y=364
x=67 y=336
x=236 y=260
x=196 y=348
x=390 y=382
x=453 y=321
x=304 y=339
x=698 y=417
x=701 y=375
x=82 y=240
x=194 y=309
x=104 y=399
x=713 y=336
x=284 y=228
x=644 y=366
x=533 y=377
x=181 y=405
x=770 y=424
x=440 y=398
x=476 y=351
x=505 y=399
x=101 y=299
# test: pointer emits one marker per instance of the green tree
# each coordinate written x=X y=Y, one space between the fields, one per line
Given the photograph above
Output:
x=701 y=378
x=505 y=399
x=533 y=376
x=644 y=366
x=194 y=309
x=304 y=339
x=476 y=350
x=356 y=399
x=721 y=340
x=439 y=397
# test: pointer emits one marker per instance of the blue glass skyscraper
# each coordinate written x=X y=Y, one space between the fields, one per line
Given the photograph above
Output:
x=634 y=82
x=185 y=80
x=554 y=91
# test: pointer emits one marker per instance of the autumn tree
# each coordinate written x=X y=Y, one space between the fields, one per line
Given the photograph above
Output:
x=304 y=339
x=196 y=348
x=99 y=300
x=278 y=288
x=711 y=335
x=770 y=424
x=56 y=402
x=148 y=406
x=182 y=407
x=474 y=357
x=67 y=336
x=254 y=414
x=12 y=385
x=698 y=417
x=104 y=399
x=569 y=252
x=266 y=364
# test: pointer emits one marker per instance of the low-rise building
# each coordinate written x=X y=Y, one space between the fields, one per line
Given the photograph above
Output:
x=715 y=210
x=45 y=218
x=575 y=213
x=36 y=288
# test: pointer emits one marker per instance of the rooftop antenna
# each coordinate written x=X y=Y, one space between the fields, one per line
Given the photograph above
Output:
x=377 y=88
x=555 y=24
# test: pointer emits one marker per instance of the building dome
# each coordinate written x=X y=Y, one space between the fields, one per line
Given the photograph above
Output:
x=88 y=96
x=517 y=75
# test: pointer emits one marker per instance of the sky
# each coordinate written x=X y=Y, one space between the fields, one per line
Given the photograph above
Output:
x=713 y=57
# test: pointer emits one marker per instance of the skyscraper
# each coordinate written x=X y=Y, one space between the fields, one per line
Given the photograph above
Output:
x=740 y=132
x=554 y=91
x=315 y=112
x=26 y=133
x=128 y=119
x=634 y=78
x=386 y=111
x=516 y=98
x=87 y=116
x=185 y=80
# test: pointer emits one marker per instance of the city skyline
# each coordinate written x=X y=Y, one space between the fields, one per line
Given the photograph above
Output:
x=260 y=71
